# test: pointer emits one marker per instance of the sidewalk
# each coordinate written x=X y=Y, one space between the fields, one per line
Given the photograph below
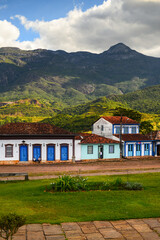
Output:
x=134 y=229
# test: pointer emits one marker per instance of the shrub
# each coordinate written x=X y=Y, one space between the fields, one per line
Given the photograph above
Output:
x=95 y=186
x=118 y=183
x=81 y=183
x=9 y=225
x=78 y=183
x=133 y=186
x=68 y=183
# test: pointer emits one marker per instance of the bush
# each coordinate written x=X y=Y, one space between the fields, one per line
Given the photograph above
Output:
x=68 y=183
x=9 y=225
x=78 y=183
x=133 y=186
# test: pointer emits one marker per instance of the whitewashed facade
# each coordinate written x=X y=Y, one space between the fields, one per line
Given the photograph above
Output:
x=43 y=143
x=37 y=142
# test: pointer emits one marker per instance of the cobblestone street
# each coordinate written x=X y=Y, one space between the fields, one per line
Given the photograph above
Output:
x=134 y=229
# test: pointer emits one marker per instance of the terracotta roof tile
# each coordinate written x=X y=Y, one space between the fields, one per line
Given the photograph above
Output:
x=134 y=137
x=117 y=120
x=95 y=139
x=31 y=129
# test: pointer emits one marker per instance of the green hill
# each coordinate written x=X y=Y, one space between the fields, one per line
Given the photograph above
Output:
x=67 y=79
x=81 y=117
x=146 y=100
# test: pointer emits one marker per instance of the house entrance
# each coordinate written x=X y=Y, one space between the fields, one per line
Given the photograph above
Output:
x=36 y=152
x=50 y=153
x=100 y=152
x=23 y=153
x=64 y=152
x=130 y=150
x=158 y=150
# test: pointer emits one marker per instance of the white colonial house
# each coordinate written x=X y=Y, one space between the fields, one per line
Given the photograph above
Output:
x=134 y=143
x=28 y=142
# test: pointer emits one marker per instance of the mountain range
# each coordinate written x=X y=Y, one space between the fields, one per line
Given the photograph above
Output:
x=63 y=79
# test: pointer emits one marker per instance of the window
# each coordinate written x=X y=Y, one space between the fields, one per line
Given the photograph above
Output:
x=9 y=150
x=125 y=130
x=133 y=130
x=117 y=130
x=138 y=147
x=130 y=147
x=111 y=148
x=90 y=149
x=146 y=147
x=102 y=127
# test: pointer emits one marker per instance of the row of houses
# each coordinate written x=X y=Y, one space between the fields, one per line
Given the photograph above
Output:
x=28 y=142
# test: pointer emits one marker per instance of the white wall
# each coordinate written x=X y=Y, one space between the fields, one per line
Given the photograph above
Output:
x=77 y=150
x=43 y=143
x=107 y=127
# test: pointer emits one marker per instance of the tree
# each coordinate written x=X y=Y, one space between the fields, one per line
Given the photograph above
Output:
x=9 y=225
x=146 y=127
x=131 y=113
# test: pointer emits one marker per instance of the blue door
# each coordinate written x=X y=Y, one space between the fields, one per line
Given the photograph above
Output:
x=138 y=149
x=130 y=150
x=50 y=153
x=146 y=149
x=23 y=153
x=36 y=152
x=64 y=153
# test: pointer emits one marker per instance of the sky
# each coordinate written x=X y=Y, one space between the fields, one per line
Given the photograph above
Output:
x=81 y=25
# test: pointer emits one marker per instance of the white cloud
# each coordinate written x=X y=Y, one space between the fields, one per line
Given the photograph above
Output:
x=133 y=22
x=8 y=34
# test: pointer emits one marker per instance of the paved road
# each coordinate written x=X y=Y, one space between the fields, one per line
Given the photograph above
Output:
x=134 y=229
x=41 y=171
x=83 y=166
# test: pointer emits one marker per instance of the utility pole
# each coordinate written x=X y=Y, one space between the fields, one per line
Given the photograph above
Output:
x=120 y=137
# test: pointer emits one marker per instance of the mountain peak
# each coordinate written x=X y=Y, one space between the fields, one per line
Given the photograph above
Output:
x=121 y=51
x=119 y=48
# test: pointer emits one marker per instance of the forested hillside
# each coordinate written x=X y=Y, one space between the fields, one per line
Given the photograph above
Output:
x=68 y=79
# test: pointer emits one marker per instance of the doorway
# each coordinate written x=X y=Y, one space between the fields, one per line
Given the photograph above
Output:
x=23 y=153
x=158 y=150
x=100 y=152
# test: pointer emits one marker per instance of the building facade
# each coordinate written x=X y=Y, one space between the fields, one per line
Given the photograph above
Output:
x=125 y=130
x=28 y=142
x=98 y=147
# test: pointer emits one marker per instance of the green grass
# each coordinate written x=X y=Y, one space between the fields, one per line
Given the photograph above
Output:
x=30 y=199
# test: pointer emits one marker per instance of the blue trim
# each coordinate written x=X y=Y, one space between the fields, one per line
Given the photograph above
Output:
x=140 y=149
x=23 y=153
x=155 y=148
x=112 y=128
x=153 y=153
x=124 y=149
x=149 y=141
x=147 y=152
x=132 y=150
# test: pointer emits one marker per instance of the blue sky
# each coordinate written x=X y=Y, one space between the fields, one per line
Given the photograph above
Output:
x=40 y=9
x=80 y=25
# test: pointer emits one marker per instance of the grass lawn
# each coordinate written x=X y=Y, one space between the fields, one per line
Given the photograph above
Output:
x=30 y=199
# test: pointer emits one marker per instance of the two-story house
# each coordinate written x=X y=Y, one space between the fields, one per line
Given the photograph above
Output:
x=116 y=127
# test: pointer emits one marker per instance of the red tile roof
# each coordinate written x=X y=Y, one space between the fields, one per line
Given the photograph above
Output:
x=31 y=129
x=117 y=120
x=134 y=137
x=95 y=139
